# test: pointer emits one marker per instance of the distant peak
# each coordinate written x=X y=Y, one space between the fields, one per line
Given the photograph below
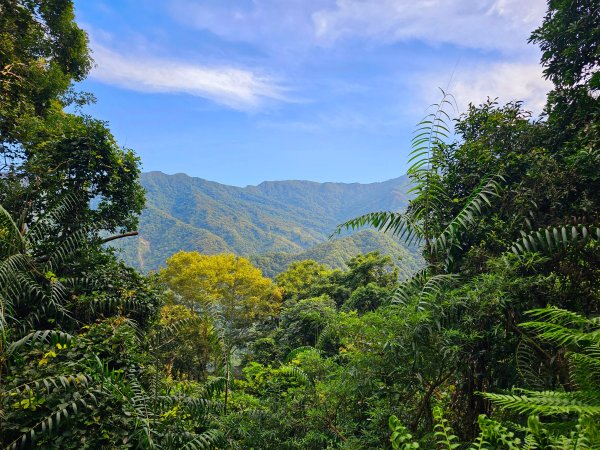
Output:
x=267 y=183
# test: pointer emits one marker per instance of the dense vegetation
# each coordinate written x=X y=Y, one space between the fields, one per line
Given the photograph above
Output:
x=494 y=343
x=281 y=219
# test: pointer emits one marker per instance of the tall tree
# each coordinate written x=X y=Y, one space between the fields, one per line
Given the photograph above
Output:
x=230 y=285
x=45 y=151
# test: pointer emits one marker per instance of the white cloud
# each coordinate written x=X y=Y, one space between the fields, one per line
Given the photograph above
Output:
x=234 y=87
x=485 y=24
x=507 y=81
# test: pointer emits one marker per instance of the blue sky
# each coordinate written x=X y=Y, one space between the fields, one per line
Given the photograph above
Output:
x=327 y=90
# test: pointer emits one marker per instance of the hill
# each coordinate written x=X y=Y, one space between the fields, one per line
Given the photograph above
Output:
x=275 y=218
x=336 y=252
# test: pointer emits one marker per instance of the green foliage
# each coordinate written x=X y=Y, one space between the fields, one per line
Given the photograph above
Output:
x=47 y=152
x=426 y=219
x=401 y=438
x=94 y=355
x=335 y=253
x=551 y=240
x=42 y=51
x=443 y=432
x=297 y=281
x=570 y=43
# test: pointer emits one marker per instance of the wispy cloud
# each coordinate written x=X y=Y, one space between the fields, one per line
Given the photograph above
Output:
x=273 y=24
x=236 y=88
x=485 y=24
x=506 y=81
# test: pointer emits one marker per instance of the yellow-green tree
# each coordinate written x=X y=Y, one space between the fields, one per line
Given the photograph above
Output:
x=234 y=289
x=230 y=284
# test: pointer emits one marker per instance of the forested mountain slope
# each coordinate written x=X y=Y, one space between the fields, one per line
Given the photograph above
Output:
x=186 y=213
x=335 y=253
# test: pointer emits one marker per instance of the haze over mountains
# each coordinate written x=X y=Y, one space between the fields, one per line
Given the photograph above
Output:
x=275 y=222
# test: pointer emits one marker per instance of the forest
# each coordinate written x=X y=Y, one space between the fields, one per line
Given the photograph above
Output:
x=493 y=343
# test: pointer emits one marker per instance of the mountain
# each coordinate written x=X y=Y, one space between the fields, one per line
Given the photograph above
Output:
x=275 y=217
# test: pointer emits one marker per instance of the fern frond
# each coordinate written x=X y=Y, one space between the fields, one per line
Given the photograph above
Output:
x=305 y=349
x=325 y=333
x=56 y=382
x=296 y=373
x=213 y=387
x=208 y=439
x=398 y=224
x=444 y=434
x=468 y=216
x=550 y=240
x=73 y=243
x=549 y=402
x=497 y=433
x=559 y=335
x=51 y=423
x=529 y=364
x=60 y=213
x=41 y=337
x=401 y=439
x=423 y=286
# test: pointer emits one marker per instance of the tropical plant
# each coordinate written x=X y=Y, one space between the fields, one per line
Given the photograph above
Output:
x=425 y=221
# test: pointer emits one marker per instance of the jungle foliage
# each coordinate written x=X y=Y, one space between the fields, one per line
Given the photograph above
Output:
x=493 y=344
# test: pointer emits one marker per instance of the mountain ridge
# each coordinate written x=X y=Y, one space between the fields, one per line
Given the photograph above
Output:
x=282 y=216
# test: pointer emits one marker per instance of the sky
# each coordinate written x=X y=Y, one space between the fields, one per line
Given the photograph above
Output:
x=245 y=91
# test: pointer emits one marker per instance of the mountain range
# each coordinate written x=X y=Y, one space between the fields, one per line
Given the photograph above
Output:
x=273 y=223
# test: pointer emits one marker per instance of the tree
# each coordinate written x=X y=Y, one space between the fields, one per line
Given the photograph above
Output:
x=47 y=152
x=299 y=278
x=302 y=322
x=570 y=43
x=42 y=52
x=234 y=289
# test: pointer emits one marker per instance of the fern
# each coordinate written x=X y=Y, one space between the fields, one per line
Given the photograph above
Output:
x=423 y=286
x=549 y=240
x=299 y=350
x=398 y=224
x=444 y=434
x=52 y=422
x=40 y=337
x=466 y=219
x=426 y=213
x=401 y=439
x=297 y=373
x=581 y=337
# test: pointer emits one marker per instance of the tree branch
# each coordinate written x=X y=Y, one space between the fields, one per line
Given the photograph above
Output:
x=118 y=236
